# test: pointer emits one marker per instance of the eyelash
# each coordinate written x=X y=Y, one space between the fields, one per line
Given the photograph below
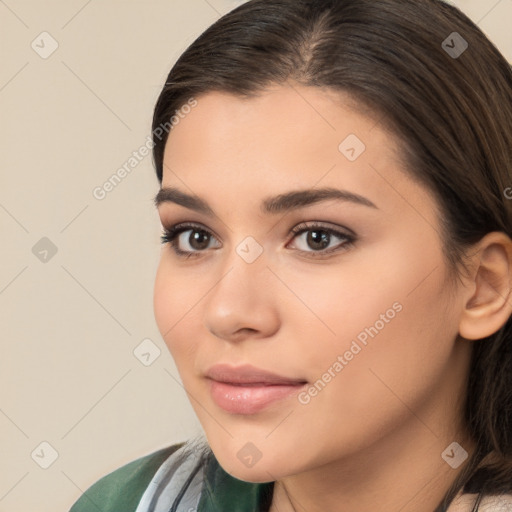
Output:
x=170 y=235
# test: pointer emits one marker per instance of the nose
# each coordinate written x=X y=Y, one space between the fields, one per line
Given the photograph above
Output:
x=243 y=303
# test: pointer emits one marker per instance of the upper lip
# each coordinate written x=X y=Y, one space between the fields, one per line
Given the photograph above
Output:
x=248 y=374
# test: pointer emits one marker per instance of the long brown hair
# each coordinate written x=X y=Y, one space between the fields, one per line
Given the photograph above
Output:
x=450 y=110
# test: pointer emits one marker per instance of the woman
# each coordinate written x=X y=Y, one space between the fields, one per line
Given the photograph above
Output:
x=335 y=284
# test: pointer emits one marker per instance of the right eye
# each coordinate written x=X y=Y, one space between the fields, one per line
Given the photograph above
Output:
x=187 y=239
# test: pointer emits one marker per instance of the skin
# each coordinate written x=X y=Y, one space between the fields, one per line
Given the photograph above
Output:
x=373 y=437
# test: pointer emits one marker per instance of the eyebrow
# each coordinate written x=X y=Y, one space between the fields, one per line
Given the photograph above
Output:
x=272 y=205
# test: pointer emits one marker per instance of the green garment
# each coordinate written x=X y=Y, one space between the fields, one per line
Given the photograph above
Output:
x=122 y=489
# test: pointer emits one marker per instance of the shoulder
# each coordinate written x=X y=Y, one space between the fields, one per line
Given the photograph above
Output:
x=122 y=488
x=501 y=503
x=488 y=503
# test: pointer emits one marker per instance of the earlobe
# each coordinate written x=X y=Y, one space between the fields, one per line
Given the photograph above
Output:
x=488 y=304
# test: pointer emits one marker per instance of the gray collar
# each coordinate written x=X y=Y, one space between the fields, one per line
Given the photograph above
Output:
x=177 y=485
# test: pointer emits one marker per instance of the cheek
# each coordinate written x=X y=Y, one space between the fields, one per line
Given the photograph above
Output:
x=175 y=301
x=389 y=319
x=163 y=301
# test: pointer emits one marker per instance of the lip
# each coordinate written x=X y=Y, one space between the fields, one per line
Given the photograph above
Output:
x=248 y=374
x=247 y=389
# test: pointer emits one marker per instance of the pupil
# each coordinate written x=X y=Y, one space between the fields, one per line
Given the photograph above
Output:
x=199 y=238
x=318 y=239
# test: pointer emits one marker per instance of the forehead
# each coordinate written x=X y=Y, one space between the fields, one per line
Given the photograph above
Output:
x=276 y=120
x=288 y=108
x=286 y=137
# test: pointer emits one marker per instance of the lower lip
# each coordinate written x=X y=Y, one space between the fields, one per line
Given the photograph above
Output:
x=249 y=399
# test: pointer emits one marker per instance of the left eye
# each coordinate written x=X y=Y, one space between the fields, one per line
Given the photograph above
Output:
x=321 y=239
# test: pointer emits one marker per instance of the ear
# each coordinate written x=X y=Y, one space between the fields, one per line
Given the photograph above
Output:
x=488 y=297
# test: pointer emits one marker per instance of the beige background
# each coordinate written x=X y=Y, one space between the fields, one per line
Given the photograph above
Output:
x=71 y=323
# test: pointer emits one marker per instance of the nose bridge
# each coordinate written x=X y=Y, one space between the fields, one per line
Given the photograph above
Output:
x=244 y=297
x=244 y=266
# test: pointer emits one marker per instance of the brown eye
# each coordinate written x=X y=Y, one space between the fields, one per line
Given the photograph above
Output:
x=198 y=239
x=318 y=240
x=188 y=239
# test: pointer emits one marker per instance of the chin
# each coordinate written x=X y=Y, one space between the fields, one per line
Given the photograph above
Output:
x=262 y=471
x=251 y=475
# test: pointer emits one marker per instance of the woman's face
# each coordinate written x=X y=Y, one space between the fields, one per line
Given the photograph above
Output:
x=348 y=294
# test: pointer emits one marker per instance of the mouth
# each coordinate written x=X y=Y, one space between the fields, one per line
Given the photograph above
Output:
x=248 y=374
x=250 y=398
x=247 y=389
x=253 y=384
